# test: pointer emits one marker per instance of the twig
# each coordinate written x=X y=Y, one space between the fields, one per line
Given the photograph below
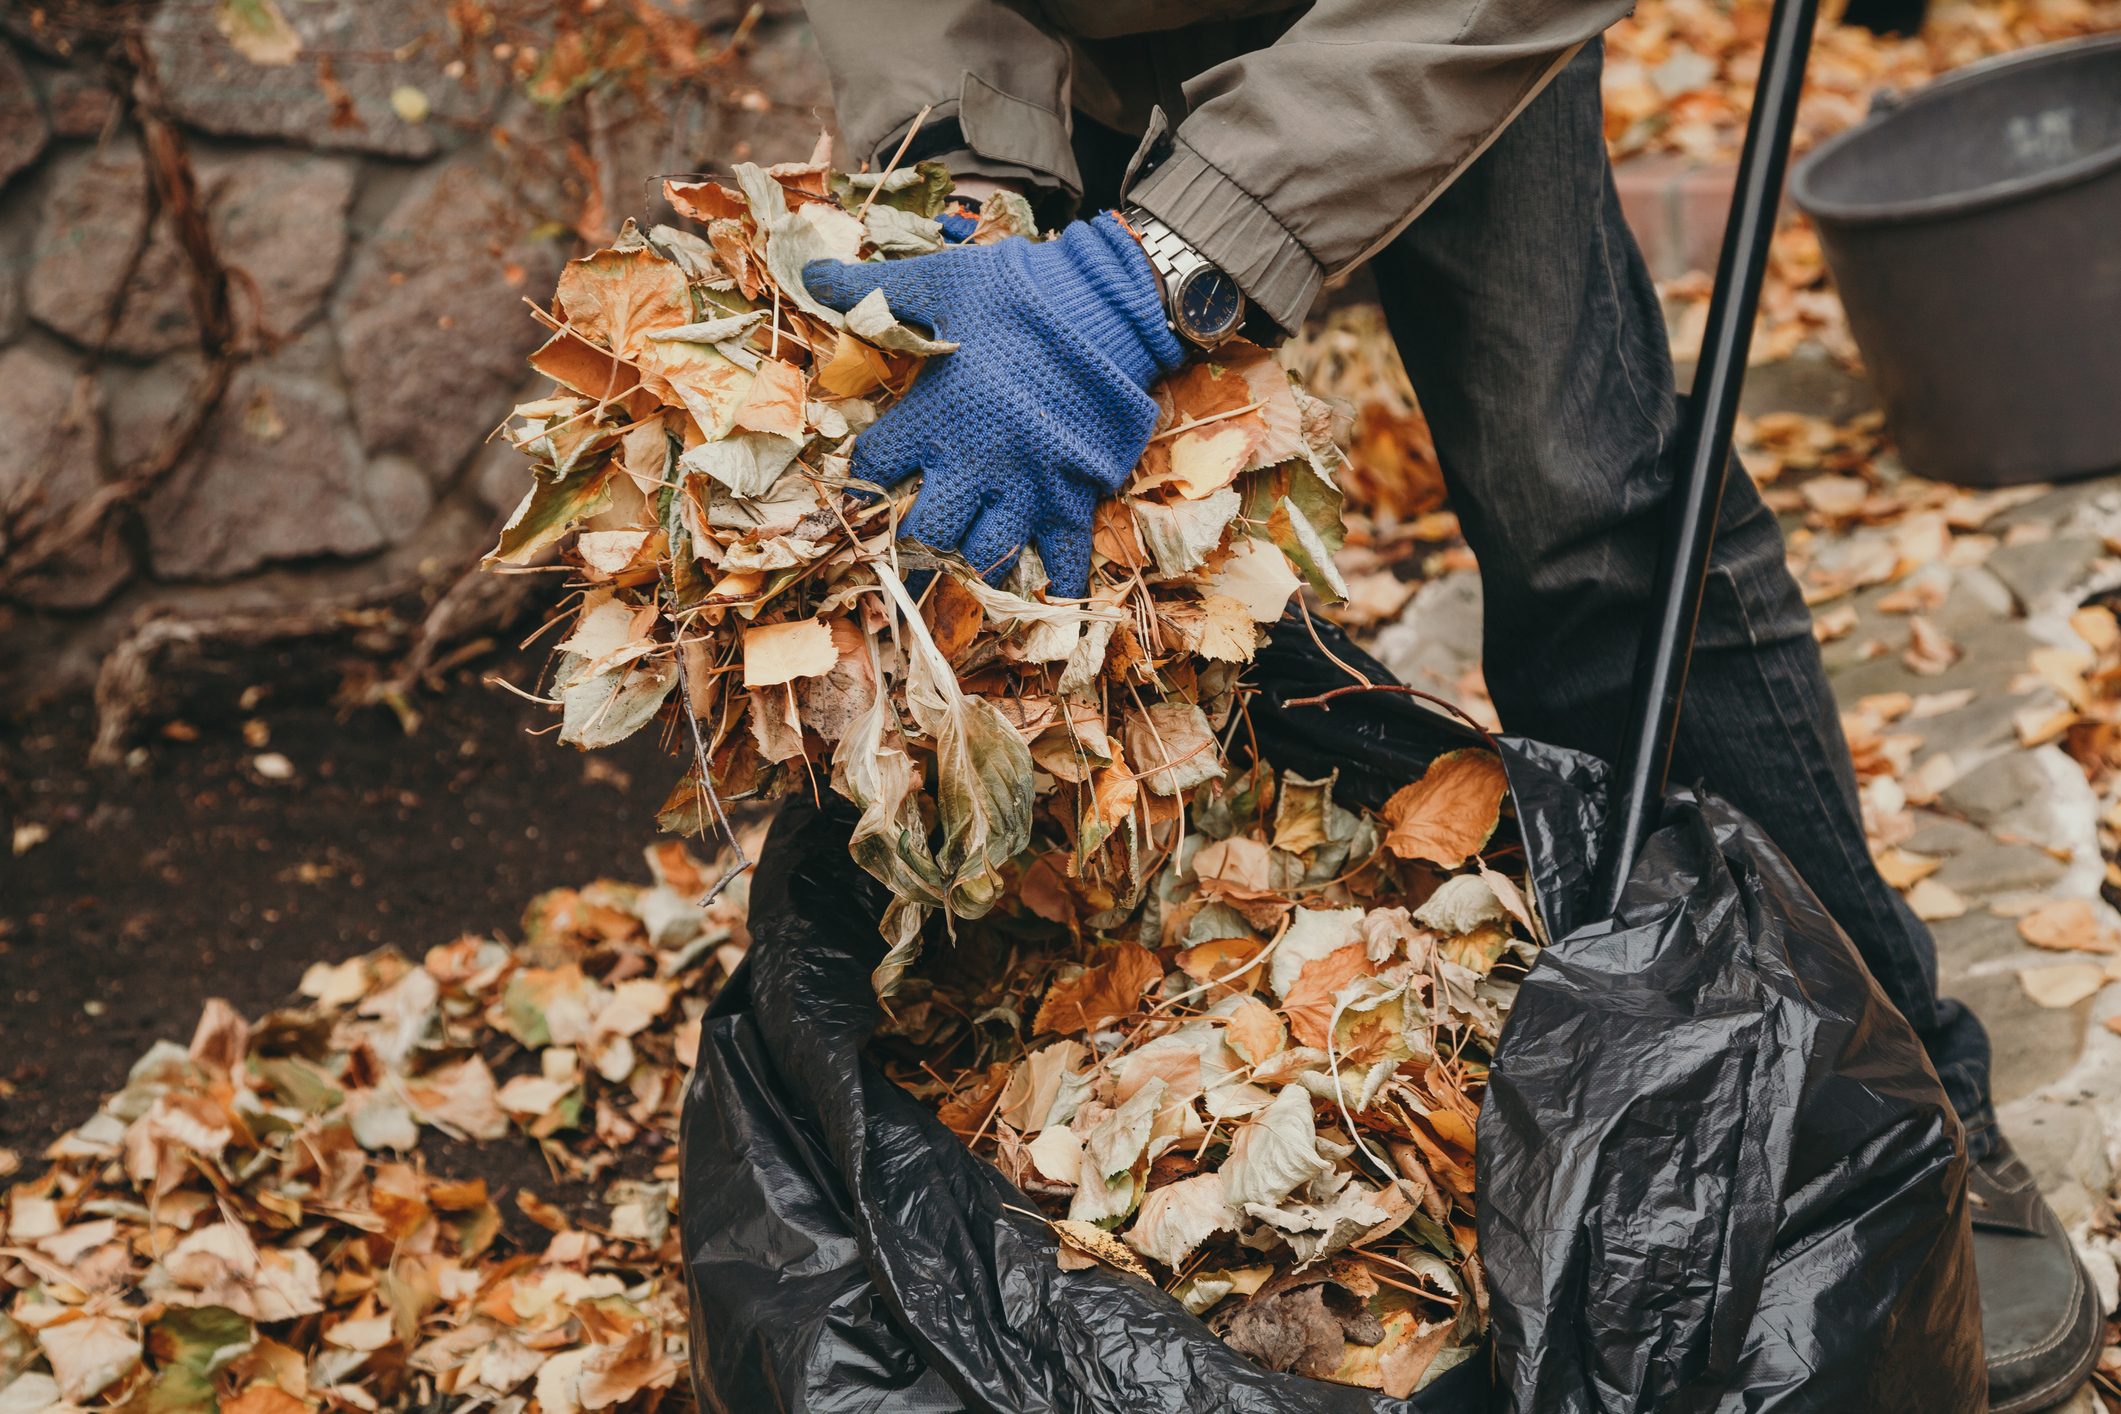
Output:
x=1396 y=689
x=1192 y=422
x=1303 y=607
x=702 y=765
x=1168 y=763
x=496 y=680
x=1258 y=959
x=741 y=33
x=1340 y=1090
x=903 y=143
x=706 y=786
x=993 y=1112
x=1421 y=1291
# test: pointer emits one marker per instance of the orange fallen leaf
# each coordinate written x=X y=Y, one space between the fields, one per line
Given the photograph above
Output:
x=1254 y=1031
x=953 y=615
x=774 y=402
x=1447 y=815
x=1044 y=889
x=855 y=369
x=1091 y=1245
x=1903 y=868
x=1101 y=994
x=1933 y=902
x=1929 y=650
x=2096 y=625
x=1221 y=961
x=1114 y=791
x=2069 y=925
x=704 y=201
x=1309 y=1005
x=966 y=1110
x=572 y=361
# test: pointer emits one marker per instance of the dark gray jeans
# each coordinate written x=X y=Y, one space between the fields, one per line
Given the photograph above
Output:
x=1530 y=328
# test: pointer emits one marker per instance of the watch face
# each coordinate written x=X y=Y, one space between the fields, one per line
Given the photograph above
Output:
x=1209 y=305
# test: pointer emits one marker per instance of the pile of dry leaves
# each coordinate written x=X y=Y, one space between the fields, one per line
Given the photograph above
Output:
x=1259 y=1089
x=1678 y=85
x=247 y=1225
x=1679 y=74
x=691 y=465
x=1230 y=1020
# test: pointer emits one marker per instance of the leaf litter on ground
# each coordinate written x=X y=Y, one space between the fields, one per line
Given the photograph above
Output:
x=251 y=1223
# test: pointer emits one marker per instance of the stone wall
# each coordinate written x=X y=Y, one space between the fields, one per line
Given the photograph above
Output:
x=381 y=207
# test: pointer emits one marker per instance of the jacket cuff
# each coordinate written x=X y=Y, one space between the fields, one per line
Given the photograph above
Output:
x=1225 y=223
x=989 y=133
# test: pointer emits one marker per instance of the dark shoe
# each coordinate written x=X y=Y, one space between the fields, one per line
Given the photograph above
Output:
x=2039 y=1314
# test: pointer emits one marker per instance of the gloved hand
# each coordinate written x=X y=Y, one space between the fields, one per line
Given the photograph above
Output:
x=1041 y=411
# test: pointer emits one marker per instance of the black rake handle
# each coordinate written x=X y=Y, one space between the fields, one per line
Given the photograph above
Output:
x=1697 y=495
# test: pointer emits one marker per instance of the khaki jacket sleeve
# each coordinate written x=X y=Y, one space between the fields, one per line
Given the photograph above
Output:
x=996 y=78
x=1304 y=158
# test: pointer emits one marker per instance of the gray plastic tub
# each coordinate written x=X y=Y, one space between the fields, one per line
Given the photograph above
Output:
x=1974 y=231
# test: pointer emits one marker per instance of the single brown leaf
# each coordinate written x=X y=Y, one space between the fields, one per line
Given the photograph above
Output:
x=1449 y=1165
x=573 y=362
x=1447 y=815
x=2096 y=625
x=2062 y=985
x=1110 y=990
x=1224 y=959
x=781 y=653
x=618 y=298
x=1115 y=535
x=705 y=201
x=2069 y=925
x=968 y=1109
x=1044 y=889
x=1903 y=868
x=1089 y=1240
x=1228 y=632
x=855 y=369
x=1934 y=902
x=1309 y=1005
x=1930 y=650
x=1115 y=792
x=1402 y=1364
x=1254 y=1031
x=1206 y=459
x=774 y=403
x=953 y=616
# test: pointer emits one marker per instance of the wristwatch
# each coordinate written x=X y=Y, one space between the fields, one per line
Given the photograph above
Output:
x=1202 y=303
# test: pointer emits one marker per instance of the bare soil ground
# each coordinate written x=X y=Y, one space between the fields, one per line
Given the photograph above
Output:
x=194 y=874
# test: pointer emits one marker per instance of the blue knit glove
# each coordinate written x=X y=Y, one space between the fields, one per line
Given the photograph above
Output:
x=1043 y=409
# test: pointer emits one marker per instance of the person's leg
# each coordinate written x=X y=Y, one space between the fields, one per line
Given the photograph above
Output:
x=1531 y=330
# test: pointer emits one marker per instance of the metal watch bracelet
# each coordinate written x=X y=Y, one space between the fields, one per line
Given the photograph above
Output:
x=1173 y=259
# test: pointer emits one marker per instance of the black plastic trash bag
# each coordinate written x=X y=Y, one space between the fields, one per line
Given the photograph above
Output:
x=1716 y=1170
